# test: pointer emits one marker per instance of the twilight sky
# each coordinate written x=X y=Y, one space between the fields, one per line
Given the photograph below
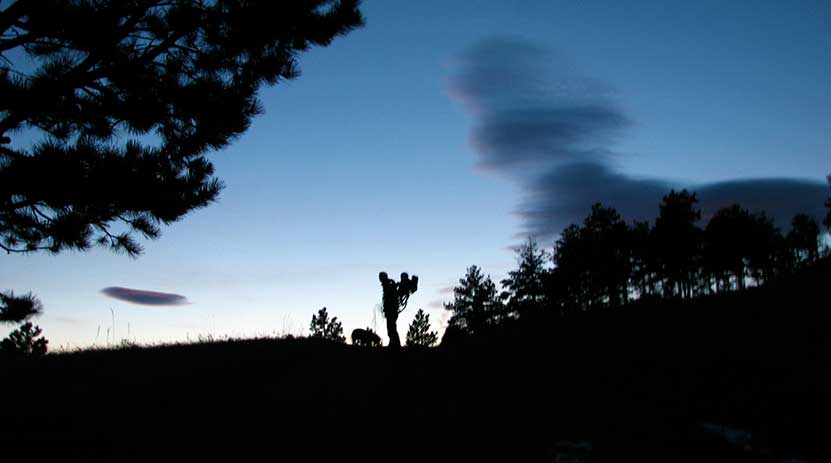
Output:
x=440 y=134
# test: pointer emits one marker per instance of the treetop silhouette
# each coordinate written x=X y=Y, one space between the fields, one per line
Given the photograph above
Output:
x=419 y=334
x=605 y=263
x=476 y=303
x=523 y=288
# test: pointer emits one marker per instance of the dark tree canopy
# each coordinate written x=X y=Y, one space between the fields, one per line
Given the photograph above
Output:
x=592 y=262
x=107 y=109
x=14 y=309
x=25 y=341
x=827 y=220
x=727 y=245
x=804 y=238
x=677 y=241
x=605 y=263
x=476 y=302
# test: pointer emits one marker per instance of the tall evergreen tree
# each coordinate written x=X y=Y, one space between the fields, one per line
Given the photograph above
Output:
x=109 y=109
x=419 y=333
x=827 y=220
x=803 y=239
x=727 y=246
x=568 y=283
x=524 y=288
x=642 y=259
x=677 y=241
x=607 y=248
x=765 y=248
x=475 y=304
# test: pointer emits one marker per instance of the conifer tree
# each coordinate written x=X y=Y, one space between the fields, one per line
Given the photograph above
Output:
x=677 y=241
x=803 y=239
x=524 y=287
x=419 y=333
x=476 y=303
x=827 y=220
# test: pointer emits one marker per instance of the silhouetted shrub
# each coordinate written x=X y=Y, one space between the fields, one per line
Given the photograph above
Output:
x=24 y=342
x=322 y=327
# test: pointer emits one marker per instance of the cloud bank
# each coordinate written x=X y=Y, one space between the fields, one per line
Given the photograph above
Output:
x=540 y=124
x=142 y=297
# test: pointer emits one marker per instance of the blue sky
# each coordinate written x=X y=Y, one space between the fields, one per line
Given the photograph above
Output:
x=365 y=163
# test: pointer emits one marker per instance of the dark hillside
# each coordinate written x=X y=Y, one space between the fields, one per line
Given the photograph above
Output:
x=638 y=382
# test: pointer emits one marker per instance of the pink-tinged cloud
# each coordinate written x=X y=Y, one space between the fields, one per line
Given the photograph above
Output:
x=142 y=297
x=436 y=304
x=447 y=289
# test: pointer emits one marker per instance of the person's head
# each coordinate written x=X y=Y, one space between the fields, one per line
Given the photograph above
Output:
x=383 y=277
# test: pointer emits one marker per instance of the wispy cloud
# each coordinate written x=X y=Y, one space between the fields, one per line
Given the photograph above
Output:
x=436 y=304
x=446 y=289
x=542 y=125
x=143 y=297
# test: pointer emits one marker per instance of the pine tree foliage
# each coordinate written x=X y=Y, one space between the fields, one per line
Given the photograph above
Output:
x=677 y=239
x=14 y=309
x=108 y=109
x=827 y=220
x=25 y=341
x=419 y=333
x=803 y=238
x=524 y=287
x=476 y=303
x=322 y=327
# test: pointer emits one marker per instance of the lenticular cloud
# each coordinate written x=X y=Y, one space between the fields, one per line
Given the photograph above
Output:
x=143 y=297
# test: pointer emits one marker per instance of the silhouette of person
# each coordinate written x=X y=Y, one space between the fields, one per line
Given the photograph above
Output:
x=394 y=298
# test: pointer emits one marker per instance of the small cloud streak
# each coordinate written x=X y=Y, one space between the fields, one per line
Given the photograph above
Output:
x=142 y=297
x=447 y=289
x=436 y=304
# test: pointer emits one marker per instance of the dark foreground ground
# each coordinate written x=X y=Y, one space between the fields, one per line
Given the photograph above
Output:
x=642 y=383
